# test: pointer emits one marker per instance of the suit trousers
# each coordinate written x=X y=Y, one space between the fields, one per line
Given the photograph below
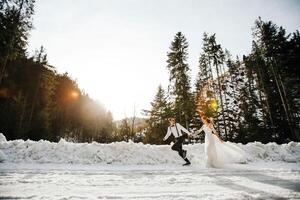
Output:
x=177 y=146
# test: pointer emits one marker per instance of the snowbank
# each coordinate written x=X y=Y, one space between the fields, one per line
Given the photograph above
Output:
x=2 y=138
x=130 y=153
x=2 y=156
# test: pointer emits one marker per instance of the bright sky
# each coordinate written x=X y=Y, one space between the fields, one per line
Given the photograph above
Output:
x=117 y=49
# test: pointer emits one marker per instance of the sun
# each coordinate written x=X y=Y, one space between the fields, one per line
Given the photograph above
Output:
x=74 y=94
x=213 y=104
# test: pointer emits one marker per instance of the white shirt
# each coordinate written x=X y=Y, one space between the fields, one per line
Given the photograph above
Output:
x=176 y=131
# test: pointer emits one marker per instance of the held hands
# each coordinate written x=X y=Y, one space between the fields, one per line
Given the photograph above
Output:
x=192 y=136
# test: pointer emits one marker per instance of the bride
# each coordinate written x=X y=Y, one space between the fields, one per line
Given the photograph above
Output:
x=217 y=152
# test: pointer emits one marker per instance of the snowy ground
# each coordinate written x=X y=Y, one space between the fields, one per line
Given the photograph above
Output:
x=64 y=170
x=68 y=181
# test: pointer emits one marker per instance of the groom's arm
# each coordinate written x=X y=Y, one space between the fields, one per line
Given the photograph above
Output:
x=183 y=129
x=168 y=134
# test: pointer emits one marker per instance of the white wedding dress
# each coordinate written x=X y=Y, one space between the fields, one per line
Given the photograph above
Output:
x=220 y=153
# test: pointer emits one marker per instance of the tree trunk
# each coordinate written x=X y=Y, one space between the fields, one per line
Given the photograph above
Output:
x=221 y=99
x=282 y=97
x=2 y=72
x=22 y=116
x=261 y=83
x=34 y=99
x=133 y=121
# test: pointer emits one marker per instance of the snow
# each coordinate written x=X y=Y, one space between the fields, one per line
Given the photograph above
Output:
x=274 y=180
x=2 y=156
x=2 y=138
x=130 y=153
x=66 y=170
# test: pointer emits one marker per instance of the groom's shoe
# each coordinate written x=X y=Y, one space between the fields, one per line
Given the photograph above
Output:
x=187 y=162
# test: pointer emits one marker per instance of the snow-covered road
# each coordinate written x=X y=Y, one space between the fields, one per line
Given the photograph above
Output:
x=262 y=180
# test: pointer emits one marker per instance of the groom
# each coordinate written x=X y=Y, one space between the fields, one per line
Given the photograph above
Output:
x=175 y=129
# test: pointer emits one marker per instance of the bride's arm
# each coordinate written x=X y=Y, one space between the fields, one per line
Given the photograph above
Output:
x=214 y=130
x=198 y=131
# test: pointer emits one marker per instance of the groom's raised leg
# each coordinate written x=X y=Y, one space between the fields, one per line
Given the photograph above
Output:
x=175 y=147
x=187 y=162
x=184 y=154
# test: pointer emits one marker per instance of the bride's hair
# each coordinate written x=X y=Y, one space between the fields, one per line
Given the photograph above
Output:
x=206 y=119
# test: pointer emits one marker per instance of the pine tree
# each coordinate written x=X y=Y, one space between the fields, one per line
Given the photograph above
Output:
x=125 y=130
x=15 y=23
x=232 y=83
x=35 y=101
x=216 y=58
x=158 y=115
x=180 y=80
x=272 y=46
x=250 y=119
x=204 y=75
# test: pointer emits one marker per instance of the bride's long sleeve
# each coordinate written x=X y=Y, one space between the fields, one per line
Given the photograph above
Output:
x=214 y=131
x=199 y=131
